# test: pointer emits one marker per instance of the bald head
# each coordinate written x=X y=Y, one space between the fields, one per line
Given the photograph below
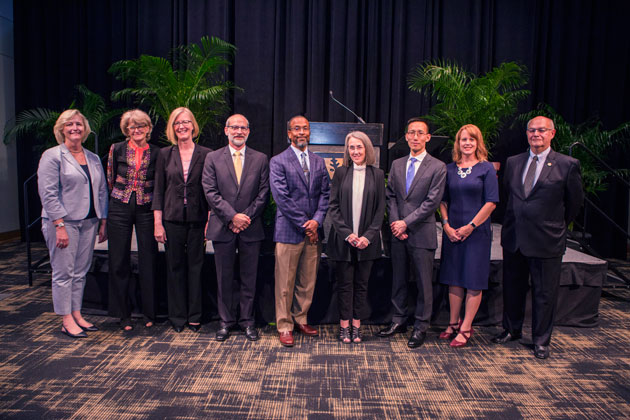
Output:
x=540 y=132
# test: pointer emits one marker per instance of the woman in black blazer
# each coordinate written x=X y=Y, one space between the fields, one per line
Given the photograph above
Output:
x=181 y=213
x=130 y=177
x=357 y=207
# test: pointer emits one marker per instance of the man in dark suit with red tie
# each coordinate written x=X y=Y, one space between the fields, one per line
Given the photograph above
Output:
x=544 y=190
x=236 y=183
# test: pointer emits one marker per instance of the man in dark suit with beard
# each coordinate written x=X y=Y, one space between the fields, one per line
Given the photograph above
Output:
x=544 y=190
x=236 y=183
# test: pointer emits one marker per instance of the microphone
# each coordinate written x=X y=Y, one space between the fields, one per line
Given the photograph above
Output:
x=348 y=109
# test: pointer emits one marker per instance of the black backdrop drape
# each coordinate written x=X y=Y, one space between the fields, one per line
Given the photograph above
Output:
x=291 y=53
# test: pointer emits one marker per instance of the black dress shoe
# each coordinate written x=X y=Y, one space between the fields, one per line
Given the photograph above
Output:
x=194 y=327
x=178 y=328
x=251 y=333
x=91 y=328
x=82 y=334
x=416 y=339
x=541 y=352
x=222 y=334
x=392 y=329
x=505 y=336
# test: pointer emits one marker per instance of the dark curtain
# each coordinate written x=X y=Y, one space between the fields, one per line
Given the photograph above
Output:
x=292 y=53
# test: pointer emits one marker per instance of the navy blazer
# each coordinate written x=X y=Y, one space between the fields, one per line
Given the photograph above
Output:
x=416 y=207
x=296 y=201
x=371 y=219
x=537 y=224
x=226 y=197
x=63 y=185
x=170 y=188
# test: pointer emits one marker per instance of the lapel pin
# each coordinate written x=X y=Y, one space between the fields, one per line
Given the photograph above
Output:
x=548 y=163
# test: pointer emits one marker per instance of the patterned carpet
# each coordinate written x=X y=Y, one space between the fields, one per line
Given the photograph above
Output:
x=157 y=373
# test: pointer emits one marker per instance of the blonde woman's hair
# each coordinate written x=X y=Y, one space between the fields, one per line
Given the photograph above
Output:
x=481 y=153
x=65 y=116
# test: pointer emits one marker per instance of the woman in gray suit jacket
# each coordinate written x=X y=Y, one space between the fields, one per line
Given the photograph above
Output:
x=357 y=207
x=73 y=192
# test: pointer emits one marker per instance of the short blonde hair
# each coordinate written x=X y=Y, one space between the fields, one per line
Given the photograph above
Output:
x=170 y=132
x=481 y=153
x=65 y=116
x=370 y=157
x=137 y=116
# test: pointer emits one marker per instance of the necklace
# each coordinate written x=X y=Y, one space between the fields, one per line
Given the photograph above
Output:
x=76 y=153
x=463 y=174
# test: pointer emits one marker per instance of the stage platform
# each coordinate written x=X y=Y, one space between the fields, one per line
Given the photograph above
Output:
x=581 y=282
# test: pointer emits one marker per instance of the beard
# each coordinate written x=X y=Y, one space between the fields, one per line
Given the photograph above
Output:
x=238 y=142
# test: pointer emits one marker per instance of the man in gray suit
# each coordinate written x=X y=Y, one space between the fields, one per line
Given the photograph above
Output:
x=236 y=183
x=414 y=190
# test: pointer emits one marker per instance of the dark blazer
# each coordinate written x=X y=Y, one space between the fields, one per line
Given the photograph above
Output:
x=537 y=224
x=226 y=197
x=170 y=187
x=340 y=210
x=417 y=207
x=296 y=202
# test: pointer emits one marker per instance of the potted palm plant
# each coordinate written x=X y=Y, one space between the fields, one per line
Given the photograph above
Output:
x=192 y=77
x=39 y=122
x=465 y=98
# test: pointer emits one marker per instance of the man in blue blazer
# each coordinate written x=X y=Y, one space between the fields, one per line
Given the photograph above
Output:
x=236 y=183
x=300 y=186
x=414 y=190
x=544 y=191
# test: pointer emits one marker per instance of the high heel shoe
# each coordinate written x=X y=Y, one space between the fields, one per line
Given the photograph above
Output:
x=449 y=335
x=344 y=335
x=466 y=335
x=91 y=328
x=356 y=334
x=82 y=334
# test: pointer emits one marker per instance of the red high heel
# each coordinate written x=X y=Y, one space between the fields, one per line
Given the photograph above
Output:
x=449 y=336
x=466 y=335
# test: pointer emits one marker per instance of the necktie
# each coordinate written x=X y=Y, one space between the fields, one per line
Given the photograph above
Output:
x=529 y=176
x=305 y=168
x=411 y=171
x=238 y=166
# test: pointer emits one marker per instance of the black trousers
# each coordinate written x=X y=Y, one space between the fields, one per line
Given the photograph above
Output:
x=545 y=281
x=352 y=284
x=120 y=222
x=184 y=262
x=421 y=262
x=232 y=294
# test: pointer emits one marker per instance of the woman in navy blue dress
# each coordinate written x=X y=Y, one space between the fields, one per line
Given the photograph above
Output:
x=471 y=194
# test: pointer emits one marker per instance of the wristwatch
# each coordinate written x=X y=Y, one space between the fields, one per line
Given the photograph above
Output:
x=472 y=224
x=60 y=224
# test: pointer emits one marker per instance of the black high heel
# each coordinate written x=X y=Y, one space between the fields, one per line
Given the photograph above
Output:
x=344 y=335
x=356 y=334
x=82 y=334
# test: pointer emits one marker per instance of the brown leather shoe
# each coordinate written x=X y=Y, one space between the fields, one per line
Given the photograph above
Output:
x=286 y=338
x=307 y=329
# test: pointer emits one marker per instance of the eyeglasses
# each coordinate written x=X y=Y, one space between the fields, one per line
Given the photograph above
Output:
x=238 y=127
x=297 y=129
x=540 y=130
x=137 y=127
x=178 y=123
x=412 y=133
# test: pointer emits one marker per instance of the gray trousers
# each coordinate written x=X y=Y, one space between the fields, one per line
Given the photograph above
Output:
x=70 y=264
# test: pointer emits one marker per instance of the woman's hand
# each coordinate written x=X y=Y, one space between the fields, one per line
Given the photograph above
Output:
x=102 y=231
x=62 y=237
x=464 y=232
x=452 y=234
x=159 y=233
